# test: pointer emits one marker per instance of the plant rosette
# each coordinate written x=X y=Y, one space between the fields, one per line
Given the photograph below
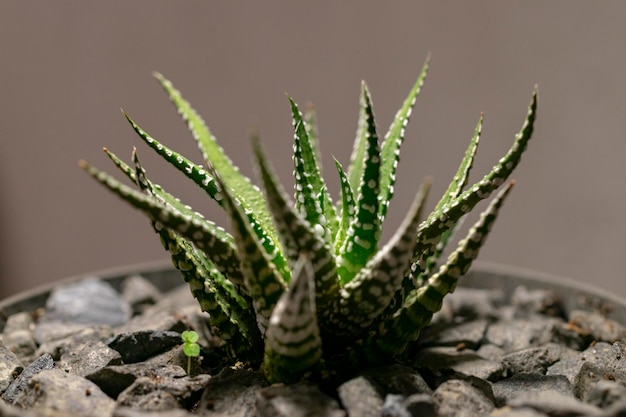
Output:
x=298 y=285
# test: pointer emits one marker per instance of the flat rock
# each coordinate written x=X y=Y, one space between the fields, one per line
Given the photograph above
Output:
x=87 y=358
x=537 y=301
x=55 y=393
x=516 y=334
x=14 y=390
x=143 y=344
x=534 y=360
x=468 y=334
x=507 y=389
x=58 y=347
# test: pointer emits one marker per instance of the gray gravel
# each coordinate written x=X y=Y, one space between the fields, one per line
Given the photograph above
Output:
x=484 y=355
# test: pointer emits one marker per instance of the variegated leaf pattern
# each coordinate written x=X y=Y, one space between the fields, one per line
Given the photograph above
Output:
x=293 y=345
x=297 y=285
x=364 y=230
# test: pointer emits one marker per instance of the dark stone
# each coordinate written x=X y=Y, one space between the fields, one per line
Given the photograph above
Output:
x=141 y=345
x=605 y=393
x=466 y=361
x=298 y=400
x=590 y=374
x=398 y=379
x=468 y=334
x=611 y=359
x=233 y=393
x=19 y=384
x=532 y=360
x=471 y=303
x=421 y=405
x=115 y=379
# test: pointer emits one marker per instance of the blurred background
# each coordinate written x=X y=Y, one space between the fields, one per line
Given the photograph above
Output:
x=67 y=67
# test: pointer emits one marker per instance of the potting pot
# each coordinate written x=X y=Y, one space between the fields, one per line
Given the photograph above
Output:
x=441 y=356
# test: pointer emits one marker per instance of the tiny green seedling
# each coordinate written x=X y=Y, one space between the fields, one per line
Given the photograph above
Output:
x=190 y=346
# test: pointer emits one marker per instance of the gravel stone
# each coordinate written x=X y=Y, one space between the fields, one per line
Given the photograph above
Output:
x=232 y=393
x=605 y=393
x=598 y=327
x=130 y=412
x=55 y=393
x=18 y=336
x=164 y=393
x=10 y=367
x=89 y=301
x=115 y=379
x=554 y=404
x=360 y=397
x=58 y=347
x=460 y=398
x=139 y=293
x=141 y=345
x=474 y=303
x=532 y=360
x=521 y=384
x=517 y=412
x=467 y=362
x=469 y=334
x=516 y=334
x=421 y=405
x=88 y=357
x=537 y=301
x=11 y=394
x=398 y=379
x=299 y=400
x=610 y=358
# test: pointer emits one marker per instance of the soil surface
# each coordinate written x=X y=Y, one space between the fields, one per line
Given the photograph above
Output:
x=95 y=350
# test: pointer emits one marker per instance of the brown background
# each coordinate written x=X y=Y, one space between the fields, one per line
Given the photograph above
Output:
x=66 y=67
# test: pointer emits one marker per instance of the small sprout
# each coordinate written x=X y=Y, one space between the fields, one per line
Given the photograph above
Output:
x=303 y=285
x=190 y=346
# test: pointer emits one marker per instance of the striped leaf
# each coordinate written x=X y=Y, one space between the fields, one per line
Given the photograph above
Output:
x=364 y=231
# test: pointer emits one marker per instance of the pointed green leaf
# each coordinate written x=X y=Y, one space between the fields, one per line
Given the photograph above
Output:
x=311 y=192
x=261 y=278
x=237 y=183
x=420 y=305
x=199 y=175
x=446 y=217
x=207 y=236
x=365 y=297
x=348 y=208
x=390 y=152
x=364 y=232
x=230 y=313
x=298 y=236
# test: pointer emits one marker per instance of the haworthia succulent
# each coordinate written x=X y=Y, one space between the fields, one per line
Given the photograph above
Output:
x=297 y=285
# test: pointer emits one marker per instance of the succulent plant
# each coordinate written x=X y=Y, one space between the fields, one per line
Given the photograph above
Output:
x=300 y=287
